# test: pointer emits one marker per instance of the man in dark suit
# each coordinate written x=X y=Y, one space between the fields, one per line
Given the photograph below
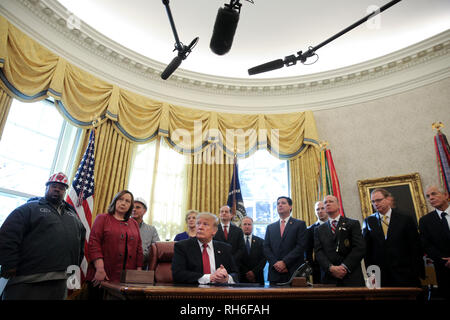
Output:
x=435 y=237
x=253 y=260
x=229 y=233
x=322 y=217
x=284 y=243
x=202 y=260
x=392 y=243
x=339 y=248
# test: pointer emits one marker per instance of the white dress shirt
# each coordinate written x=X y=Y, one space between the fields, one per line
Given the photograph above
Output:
x=206 y=278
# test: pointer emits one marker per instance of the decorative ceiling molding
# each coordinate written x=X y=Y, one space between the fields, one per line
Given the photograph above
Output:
x=52 y=25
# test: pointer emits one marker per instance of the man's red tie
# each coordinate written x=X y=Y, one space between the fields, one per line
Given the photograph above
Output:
x=225 y=232
x=282 y=225
x=205 y=258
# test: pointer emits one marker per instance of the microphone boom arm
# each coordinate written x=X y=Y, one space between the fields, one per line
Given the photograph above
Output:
x=178 y=44
x=303 y=56
x=183 y=51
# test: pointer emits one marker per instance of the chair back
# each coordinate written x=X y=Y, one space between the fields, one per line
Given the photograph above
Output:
x=160 y=261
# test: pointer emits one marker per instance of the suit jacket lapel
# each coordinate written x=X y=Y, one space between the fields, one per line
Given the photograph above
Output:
x=330 y=232
x=217 y=256
x=439 y=226
x=392 y=223
x=197 y=252
x=378 y=229
x=287 y=227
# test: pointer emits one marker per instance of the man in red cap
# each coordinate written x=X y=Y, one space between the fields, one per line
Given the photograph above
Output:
x=38 y=242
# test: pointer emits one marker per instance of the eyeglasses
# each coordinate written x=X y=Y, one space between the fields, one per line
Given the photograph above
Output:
x=377 y=200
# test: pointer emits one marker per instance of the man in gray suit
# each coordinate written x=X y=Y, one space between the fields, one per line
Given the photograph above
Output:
x=284 y=243
x=339 y=248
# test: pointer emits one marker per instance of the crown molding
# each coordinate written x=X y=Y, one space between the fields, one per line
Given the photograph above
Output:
x=49 y=23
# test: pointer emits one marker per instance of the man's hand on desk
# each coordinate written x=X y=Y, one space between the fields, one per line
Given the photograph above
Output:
x=250 y=276
x=220 y=276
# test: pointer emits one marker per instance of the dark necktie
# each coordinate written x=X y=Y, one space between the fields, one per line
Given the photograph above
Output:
x=247 y=244
x=225 y=232
x=205 y=258
x=445 y=223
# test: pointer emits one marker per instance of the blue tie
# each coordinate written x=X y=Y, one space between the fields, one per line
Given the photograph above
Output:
x=247 y=244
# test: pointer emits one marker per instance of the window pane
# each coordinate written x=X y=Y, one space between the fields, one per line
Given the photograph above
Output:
x=169 y=192
x=8 y=203
x=168 y=195
x=36 y=142
x=141 y=175
x=28 y=146
x=263 y=179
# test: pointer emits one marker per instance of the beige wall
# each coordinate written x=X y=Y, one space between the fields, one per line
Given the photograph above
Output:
x=385 y=137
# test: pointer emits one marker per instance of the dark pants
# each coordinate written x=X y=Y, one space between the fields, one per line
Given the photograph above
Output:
x=45 y=290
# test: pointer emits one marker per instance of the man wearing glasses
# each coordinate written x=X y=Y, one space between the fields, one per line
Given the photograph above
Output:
x=392 y=243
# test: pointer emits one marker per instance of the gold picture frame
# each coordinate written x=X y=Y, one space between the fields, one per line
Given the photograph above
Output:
x=406 y=190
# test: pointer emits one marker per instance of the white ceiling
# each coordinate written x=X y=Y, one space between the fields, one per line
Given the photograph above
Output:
x=267 y=30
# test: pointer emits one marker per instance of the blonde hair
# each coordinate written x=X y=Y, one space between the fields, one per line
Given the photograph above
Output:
x=209 y=216
x=189 y=213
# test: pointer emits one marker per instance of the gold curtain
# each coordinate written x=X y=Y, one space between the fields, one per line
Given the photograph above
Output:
x=303 y=179
x=112 y=165
x=209 y=176
x=5 y=105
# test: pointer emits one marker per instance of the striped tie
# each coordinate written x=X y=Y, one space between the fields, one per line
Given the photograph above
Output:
x=333 y=226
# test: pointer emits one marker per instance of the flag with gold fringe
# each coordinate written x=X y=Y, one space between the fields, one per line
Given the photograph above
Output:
x=328 y=179
x=235 y=200
x=442 y=157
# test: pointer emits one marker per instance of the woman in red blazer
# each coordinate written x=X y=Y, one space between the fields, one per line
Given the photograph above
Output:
x=114 y=242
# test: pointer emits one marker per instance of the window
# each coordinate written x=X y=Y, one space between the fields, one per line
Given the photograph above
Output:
x=164 y=183
x=263 y=179
x=36 y=142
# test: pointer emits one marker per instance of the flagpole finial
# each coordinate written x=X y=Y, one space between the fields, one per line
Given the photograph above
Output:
x=96 y=120
x=437 y=126
x=323 y=145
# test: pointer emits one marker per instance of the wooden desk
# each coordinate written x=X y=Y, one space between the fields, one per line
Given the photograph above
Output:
x=217 y=293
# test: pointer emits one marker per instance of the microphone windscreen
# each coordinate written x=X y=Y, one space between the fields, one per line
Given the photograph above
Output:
x=224 y=29
x=269 y=66
x=173 y=65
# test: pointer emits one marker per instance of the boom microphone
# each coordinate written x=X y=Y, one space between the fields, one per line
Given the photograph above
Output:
x=173 y=65
x=224 y=29
x=183 y=51
x=268 y=66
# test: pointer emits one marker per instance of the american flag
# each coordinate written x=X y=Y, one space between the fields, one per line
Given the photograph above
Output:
x=81 y=193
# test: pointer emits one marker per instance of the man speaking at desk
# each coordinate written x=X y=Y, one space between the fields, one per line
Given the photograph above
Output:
x=201 y=260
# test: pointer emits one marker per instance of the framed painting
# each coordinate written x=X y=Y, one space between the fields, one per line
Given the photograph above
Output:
x=406 y=190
